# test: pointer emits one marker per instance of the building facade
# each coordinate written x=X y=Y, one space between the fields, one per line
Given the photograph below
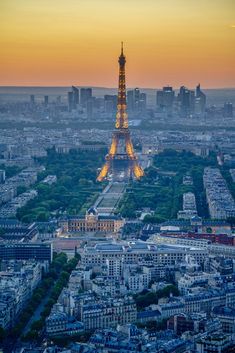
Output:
x=139 y=252
x=109 y=313
x=92 y=222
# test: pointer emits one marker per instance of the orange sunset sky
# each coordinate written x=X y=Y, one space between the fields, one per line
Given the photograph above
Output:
x=65 y=42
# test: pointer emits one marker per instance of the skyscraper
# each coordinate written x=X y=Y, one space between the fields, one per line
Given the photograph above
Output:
x=58 y=99
x=32 y=99
x=228 y=110
x=186 y=99
x=136 y=101
x=89 y=108
x=110 y=103
x=143 y=102
x=200 y=100
x=130 y=101
x=165 y=98
x=46 y=100
x=75 y=96
x=70 y=101
x=85 y=95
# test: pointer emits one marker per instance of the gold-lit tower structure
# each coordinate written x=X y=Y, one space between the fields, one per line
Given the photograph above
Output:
x=117 y=155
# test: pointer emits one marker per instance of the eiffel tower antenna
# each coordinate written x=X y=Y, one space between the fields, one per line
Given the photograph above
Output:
x=121 y=134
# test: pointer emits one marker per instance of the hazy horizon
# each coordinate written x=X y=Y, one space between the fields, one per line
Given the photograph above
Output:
x=215 y=96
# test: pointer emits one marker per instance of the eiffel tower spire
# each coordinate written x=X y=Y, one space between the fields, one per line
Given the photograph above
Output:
x=121 y=132
x=121 y=117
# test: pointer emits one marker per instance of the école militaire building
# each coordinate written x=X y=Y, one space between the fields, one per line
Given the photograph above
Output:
x=91 y=222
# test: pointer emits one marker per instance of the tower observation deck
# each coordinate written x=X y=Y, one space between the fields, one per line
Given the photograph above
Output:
x=121 y=161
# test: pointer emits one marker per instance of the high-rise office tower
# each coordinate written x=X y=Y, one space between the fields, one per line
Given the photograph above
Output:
x=200 y=100
x=75 y=96
x=98 y=103
x=89 y=108
x=32 y=99
x=143 y=102
x=46 y=101
x=121 y=160
x=165 y=98
x=186 y=100
x=228 y=110
x=130 y=101
x=110 y=103
x=85 y=95
x=160 y=99
x=70 y=101
x=136 y=99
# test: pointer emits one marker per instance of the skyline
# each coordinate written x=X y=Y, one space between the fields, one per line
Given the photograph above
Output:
x=173 y=42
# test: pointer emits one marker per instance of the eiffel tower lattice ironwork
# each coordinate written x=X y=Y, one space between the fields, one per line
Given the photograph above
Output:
x=121 y=134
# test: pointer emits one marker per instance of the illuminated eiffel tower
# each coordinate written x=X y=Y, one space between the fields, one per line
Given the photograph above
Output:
x=121 y=161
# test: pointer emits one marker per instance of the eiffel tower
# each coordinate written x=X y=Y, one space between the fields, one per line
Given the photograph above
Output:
x=121 y=161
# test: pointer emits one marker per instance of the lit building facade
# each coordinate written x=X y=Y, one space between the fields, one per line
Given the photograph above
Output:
x=92 y=222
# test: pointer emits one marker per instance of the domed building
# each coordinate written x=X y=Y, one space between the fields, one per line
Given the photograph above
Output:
x=91 y=222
